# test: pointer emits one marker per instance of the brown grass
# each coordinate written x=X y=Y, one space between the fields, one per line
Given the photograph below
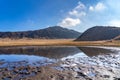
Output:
x=55 y=42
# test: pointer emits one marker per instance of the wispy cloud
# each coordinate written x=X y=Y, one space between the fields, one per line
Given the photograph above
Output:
x=98 y=7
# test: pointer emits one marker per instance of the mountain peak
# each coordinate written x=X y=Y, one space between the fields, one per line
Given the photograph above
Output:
x=99 y=33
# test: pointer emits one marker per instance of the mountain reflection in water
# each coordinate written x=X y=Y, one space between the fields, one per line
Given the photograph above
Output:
x=43 y=55
x=44 y=51
x=92 y=51
x=55 y=52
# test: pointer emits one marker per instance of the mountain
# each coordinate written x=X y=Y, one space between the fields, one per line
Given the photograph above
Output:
x=117 y=38
x=55 y=32
x=99 y=33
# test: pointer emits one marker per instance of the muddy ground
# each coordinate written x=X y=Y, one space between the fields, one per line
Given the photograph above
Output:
x=67 y=69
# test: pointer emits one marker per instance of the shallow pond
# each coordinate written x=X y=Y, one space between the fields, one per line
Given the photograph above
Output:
x=43 y=55
x=88 y=60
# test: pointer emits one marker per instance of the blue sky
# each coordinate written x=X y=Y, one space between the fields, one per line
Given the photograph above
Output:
x=21 y=15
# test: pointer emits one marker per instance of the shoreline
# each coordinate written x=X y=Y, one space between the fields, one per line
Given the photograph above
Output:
x=54 y=42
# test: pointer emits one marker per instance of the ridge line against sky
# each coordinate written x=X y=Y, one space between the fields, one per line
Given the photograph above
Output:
x=22 y=15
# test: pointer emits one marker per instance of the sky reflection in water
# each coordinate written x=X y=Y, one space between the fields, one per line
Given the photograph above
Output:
x=48 y=54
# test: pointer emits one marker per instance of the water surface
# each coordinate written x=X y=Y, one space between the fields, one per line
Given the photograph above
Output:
x=50 y=54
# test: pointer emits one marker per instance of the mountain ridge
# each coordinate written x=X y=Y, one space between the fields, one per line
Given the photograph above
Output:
x=55 y=32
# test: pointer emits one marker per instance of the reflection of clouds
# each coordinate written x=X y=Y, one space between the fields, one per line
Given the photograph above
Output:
x=29 y=58
x=25 y=60
x=77 y=55
x=101 y=56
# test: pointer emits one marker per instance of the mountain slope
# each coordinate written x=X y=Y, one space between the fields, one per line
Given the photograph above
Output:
x=48 y=33
x=117 y=38
x=99 y=33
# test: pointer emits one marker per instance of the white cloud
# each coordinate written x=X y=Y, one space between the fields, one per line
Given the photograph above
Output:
x=77 y=14
x=89 y=16
x=91 y=8
x=73 y=17
x=114 y=23
x=69 y=22
x=83 y=16
x=74 y=12
x=78 y=11
x=98 y=7
x=80 y=6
